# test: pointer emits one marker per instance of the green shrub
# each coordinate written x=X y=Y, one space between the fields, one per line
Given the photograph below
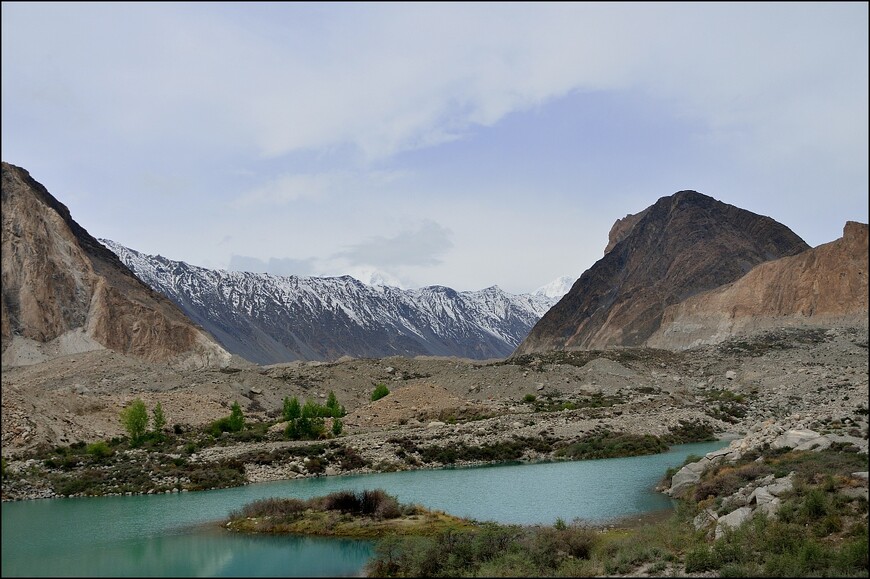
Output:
x=380 y=391
x=334 y=409
x=701 y=558
x=292 y=410
x=99 y=449
x=612 y=445
x=220 y=426
x=134 y=418
x=158 y=418
x=237 y=419
x=337 y=426
x=235 y=422
x=529 y=398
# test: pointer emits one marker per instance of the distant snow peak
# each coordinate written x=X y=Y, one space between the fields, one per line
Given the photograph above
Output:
x=374 y=277
x=556 y=288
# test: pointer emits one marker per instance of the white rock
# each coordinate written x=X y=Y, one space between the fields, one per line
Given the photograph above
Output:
x=794 y=438
x=761 y=496
x=732 y=520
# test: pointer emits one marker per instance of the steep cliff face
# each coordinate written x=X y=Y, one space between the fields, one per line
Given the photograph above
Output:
x=682 y=245
x=821 y=286
x=622 y=228
x=64 y=292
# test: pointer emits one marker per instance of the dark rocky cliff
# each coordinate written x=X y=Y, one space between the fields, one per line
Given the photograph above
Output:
x=682 y=245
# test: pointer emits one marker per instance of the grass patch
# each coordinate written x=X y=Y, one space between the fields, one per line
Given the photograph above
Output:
x=612 y=445
x=365 y=514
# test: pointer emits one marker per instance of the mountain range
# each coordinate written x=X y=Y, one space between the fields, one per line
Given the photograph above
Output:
x=686 y=270
x=268 y=319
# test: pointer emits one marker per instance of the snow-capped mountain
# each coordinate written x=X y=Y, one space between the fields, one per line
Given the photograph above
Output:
x=556 y=288
x=268 y=319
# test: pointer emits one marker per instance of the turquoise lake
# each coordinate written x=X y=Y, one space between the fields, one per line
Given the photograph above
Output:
x=179 y=536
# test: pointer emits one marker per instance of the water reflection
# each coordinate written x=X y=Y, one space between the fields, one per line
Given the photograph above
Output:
x=208 y=553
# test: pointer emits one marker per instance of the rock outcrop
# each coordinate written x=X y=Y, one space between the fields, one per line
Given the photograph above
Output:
x=821 y=286
x=682 y=245
x=64 y=292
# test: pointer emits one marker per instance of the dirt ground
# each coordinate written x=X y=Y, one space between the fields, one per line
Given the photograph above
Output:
x=796 y=377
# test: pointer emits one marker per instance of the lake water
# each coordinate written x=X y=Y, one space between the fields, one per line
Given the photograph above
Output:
x=177 y=535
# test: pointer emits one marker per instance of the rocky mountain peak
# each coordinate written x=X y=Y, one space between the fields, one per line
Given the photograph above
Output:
x=683 y=244
x=64 y=292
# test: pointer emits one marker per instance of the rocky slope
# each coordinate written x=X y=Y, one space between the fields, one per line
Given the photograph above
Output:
x=680 y=246
x=269 y=319
x=820 y=286
x=64 y=292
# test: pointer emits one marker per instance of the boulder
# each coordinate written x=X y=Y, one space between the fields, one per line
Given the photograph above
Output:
x=770 y=508
x=732 y=520
x=795 y=438
x=704 y=519
x=781 y=485
x=761 y=496
x=687 y=476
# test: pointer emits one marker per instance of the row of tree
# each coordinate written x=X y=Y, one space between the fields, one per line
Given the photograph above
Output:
x=307 y=421
x=303 y=421
x=135 y=420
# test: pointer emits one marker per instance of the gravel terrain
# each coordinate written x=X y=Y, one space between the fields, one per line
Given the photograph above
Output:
x=795 y=378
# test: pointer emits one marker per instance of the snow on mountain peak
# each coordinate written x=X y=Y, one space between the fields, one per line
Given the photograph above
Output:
x=374 y=277
x=556 y=288
x=269 y=319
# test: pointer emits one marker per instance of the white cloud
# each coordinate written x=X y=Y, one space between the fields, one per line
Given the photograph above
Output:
x=390 y=78
x=286 y=188
x=422 y=246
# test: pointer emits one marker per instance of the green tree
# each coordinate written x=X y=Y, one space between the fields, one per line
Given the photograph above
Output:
x=158 y=419
x=337 y=426
x=335 y=409
x=380 y=391
x=311 y=424
x=134 y=418
x=292 y=430
x=237 y=419
x=292 y=409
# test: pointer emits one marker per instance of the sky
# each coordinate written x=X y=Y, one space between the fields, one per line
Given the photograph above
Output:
x=456 y=144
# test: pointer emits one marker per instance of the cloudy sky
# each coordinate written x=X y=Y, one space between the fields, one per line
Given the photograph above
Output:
x=456 y=144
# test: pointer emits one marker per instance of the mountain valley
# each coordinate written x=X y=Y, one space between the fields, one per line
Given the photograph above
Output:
x=702 y=320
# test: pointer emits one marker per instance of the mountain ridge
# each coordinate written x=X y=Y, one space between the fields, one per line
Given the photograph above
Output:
x=269 y=319
x=681 y=245
x=821 y=286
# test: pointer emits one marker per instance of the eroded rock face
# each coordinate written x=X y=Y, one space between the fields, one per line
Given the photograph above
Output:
x=682 y=245
x=621 y=228
x=60 y=282
x=819 y=286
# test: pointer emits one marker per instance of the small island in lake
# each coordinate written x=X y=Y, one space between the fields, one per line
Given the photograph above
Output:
x=366 y=514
